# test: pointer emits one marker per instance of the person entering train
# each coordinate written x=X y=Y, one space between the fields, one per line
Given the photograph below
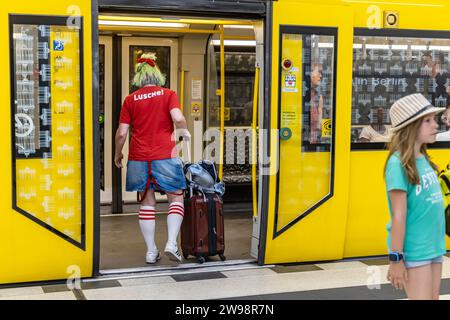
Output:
x=416 y=232
x=153 y=163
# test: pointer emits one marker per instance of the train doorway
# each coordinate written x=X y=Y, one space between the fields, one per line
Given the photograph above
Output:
x=191 y=56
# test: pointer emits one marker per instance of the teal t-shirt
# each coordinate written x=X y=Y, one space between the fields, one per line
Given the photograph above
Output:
x=425 y=221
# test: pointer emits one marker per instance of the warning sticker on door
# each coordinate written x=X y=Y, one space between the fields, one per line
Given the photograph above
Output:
x=290 y=82
x=326 y=127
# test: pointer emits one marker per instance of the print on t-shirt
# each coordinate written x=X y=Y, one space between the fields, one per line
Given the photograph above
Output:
x=150 y=95
x=147 y=111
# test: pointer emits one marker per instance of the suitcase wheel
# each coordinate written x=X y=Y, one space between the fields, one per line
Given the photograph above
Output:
x=222 y=257
x=201 y=259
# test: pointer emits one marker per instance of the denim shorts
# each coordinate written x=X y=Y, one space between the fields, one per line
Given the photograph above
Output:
x=168 y=174
x=421 y=263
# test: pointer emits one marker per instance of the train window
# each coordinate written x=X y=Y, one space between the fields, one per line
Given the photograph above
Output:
x=239 y=83
x=31 y=91
x=306 y=121
x=239 y=79
x=317 y=103
x=386 y=68
x=48 y=116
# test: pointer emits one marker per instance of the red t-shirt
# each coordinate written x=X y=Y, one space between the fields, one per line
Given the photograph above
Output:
x=147 y=111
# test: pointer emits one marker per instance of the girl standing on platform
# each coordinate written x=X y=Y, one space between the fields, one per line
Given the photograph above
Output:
x=416 y=232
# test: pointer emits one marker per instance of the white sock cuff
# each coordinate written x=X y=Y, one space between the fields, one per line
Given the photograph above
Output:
x=147 y=208
x=176 y=203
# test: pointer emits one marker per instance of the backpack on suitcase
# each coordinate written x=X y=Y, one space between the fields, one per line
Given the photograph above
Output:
x=202 y=230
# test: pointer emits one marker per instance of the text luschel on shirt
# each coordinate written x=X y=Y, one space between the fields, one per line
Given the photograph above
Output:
x=149 y=95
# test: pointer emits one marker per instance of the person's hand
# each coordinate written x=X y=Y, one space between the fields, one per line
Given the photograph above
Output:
x=118 y=160
x=184 y=133
x=397 y=275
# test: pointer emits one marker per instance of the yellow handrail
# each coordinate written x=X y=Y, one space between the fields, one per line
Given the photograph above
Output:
x=254 y=141
x=182 y=90
x=222 y=98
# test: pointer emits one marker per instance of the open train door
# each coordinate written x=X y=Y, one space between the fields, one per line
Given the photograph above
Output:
x=308 y=107
x=49 y=116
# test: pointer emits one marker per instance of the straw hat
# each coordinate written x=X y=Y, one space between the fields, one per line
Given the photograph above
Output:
x=410 y=108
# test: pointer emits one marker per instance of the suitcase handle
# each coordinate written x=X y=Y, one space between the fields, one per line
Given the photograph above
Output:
x=183 y=139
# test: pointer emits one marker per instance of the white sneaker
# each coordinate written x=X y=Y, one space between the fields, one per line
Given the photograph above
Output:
x=152 y=257
x=172 y=252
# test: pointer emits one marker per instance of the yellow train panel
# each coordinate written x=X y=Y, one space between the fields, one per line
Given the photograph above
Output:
x=319 y=235
x=46 y=218
x=352 y=222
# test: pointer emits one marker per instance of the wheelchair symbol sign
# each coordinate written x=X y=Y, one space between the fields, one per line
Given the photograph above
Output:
x=58 y=45
x=24 y=125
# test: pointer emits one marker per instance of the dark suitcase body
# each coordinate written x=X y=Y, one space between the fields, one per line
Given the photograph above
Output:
x=202 y=231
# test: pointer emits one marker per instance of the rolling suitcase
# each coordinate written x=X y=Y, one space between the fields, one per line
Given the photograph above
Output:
x=202 y=230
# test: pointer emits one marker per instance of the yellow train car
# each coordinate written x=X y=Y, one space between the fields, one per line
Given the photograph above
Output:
x=327 y=200
x=48 y=93
x=320 y=185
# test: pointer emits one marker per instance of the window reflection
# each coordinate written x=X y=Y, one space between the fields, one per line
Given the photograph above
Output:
x=388 y=68
x=317 y=68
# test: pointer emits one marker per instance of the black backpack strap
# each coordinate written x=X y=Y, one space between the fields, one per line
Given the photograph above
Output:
x=186 y=167
x=445 y=179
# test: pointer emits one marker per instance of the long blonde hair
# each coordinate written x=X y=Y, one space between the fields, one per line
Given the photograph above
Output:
x=403 y=141
x=147 y=74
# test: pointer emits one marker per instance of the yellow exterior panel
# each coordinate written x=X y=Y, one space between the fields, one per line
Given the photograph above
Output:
x=353 y=222
x=320 y=235
x=31 y=252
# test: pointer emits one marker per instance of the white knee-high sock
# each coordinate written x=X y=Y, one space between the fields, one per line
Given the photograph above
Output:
x=174 y=220
x=147 y=224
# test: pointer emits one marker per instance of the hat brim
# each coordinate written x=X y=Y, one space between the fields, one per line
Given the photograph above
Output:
x=423 y=114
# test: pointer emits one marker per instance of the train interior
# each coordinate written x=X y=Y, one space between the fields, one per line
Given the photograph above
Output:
x=188 y=52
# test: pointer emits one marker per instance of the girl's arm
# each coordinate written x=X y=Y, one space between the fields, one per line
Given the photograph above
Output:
x=397 y=274
x=398 y=206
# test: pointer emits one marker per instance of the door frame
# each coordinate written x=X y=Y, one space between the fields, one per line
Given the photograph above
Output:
x=106 y=195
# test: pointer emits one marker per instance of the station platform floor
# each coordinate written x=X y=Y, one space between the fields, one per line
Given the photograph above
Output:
x=125 y=276
x=342 y=280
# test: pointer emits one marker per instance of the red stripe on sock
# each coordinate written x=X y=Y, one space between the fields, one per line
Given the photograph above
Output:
x=176 y=205
x=142 y=210
x=177 y=213
x=146 y=218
